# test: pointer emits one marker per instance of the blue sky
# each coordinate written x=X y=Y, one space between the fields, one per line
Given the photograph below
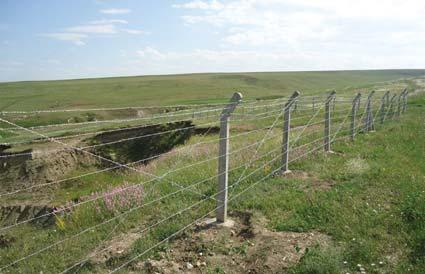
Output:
x=58 y=39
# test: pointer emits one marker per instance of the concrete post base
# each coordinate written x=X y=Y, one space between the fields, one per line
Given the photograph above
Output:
x=213 y=222
x=286 y=172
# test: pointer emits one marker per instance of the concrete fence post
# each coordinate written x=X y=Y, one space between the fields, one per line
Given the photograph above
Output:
x=327 y=144
x=384 y=105
x=358 y=106
x=356 y=101
x=286 y=131
x=400 y=103
x=388 y=99
x=392 y=106
x=405 y=93
x=368 y=121
x=371 y=118
x=223 y=157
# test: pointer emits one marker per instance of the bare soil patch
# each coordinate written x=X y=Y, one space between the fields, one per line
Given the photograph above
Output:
x=247 y=247
x=114 y=248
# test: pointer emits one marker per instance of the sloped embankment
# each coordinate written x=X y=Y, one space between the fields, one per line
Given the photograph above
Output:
x=26 y=171
x=124 y=146
x=141 y=144
x=127 y=145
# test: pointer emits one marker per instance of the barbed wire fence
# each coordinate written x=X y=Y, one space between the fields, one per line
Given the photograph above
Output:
x=257 y=140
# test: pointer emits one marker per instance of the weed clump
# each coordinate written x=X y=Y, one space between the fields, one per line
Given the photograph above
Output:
x=317 y=260
x=356 y=166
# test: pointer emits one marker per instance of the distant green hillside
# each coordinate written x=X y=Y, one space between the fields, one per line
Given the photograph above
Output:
x=182 y=89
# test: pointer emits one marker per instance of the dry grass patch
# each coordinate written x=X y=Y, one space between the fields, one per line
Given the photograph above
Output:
x=356 y=166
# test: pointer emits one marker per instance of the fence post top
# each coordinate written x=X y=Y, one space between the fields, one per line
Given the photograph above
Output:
x=331 y=95
x=386 y=93
x=237 y=96
x=295 y=94
x=291 y=99
x=405 y=91
x=234 y=101
x=357 y=97
x=371 y=94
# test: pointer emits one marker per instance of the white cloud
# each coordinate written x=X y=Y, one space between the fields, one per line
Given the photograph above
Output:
x=153 y=61
x=201 y=60
x=151 y=53
x=108 y=21
x=252 y=23
x=349 y=29
x=133 y=31
x=198 y=4
x=99 y=29
x=401 y=9
x=115 y=11
x=75 y=38
x=77 y=34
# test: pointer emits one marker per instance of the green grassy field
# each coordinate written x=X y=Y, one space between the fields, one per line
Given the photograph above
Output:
x=183 y=89
x=367 y=198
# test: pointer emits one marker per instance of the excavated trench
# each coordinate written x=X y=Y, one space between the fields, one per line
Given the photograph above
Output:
x=141 y=145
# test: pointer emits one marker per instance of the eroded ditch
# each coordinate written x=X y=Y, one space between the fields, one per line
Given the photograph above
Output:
x=141 y=145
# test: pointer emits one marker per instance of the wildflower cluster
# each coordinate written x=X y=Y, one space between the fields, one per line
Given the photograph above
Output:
x=114 y=200
x=118 y=199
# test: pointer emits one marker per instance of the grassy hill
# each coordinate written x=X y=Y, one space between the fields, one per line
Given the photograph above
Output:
x=183 y=89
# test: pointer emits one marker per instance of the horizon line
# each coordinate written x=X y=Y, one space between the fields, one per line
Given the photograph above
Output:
x=204 y=73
